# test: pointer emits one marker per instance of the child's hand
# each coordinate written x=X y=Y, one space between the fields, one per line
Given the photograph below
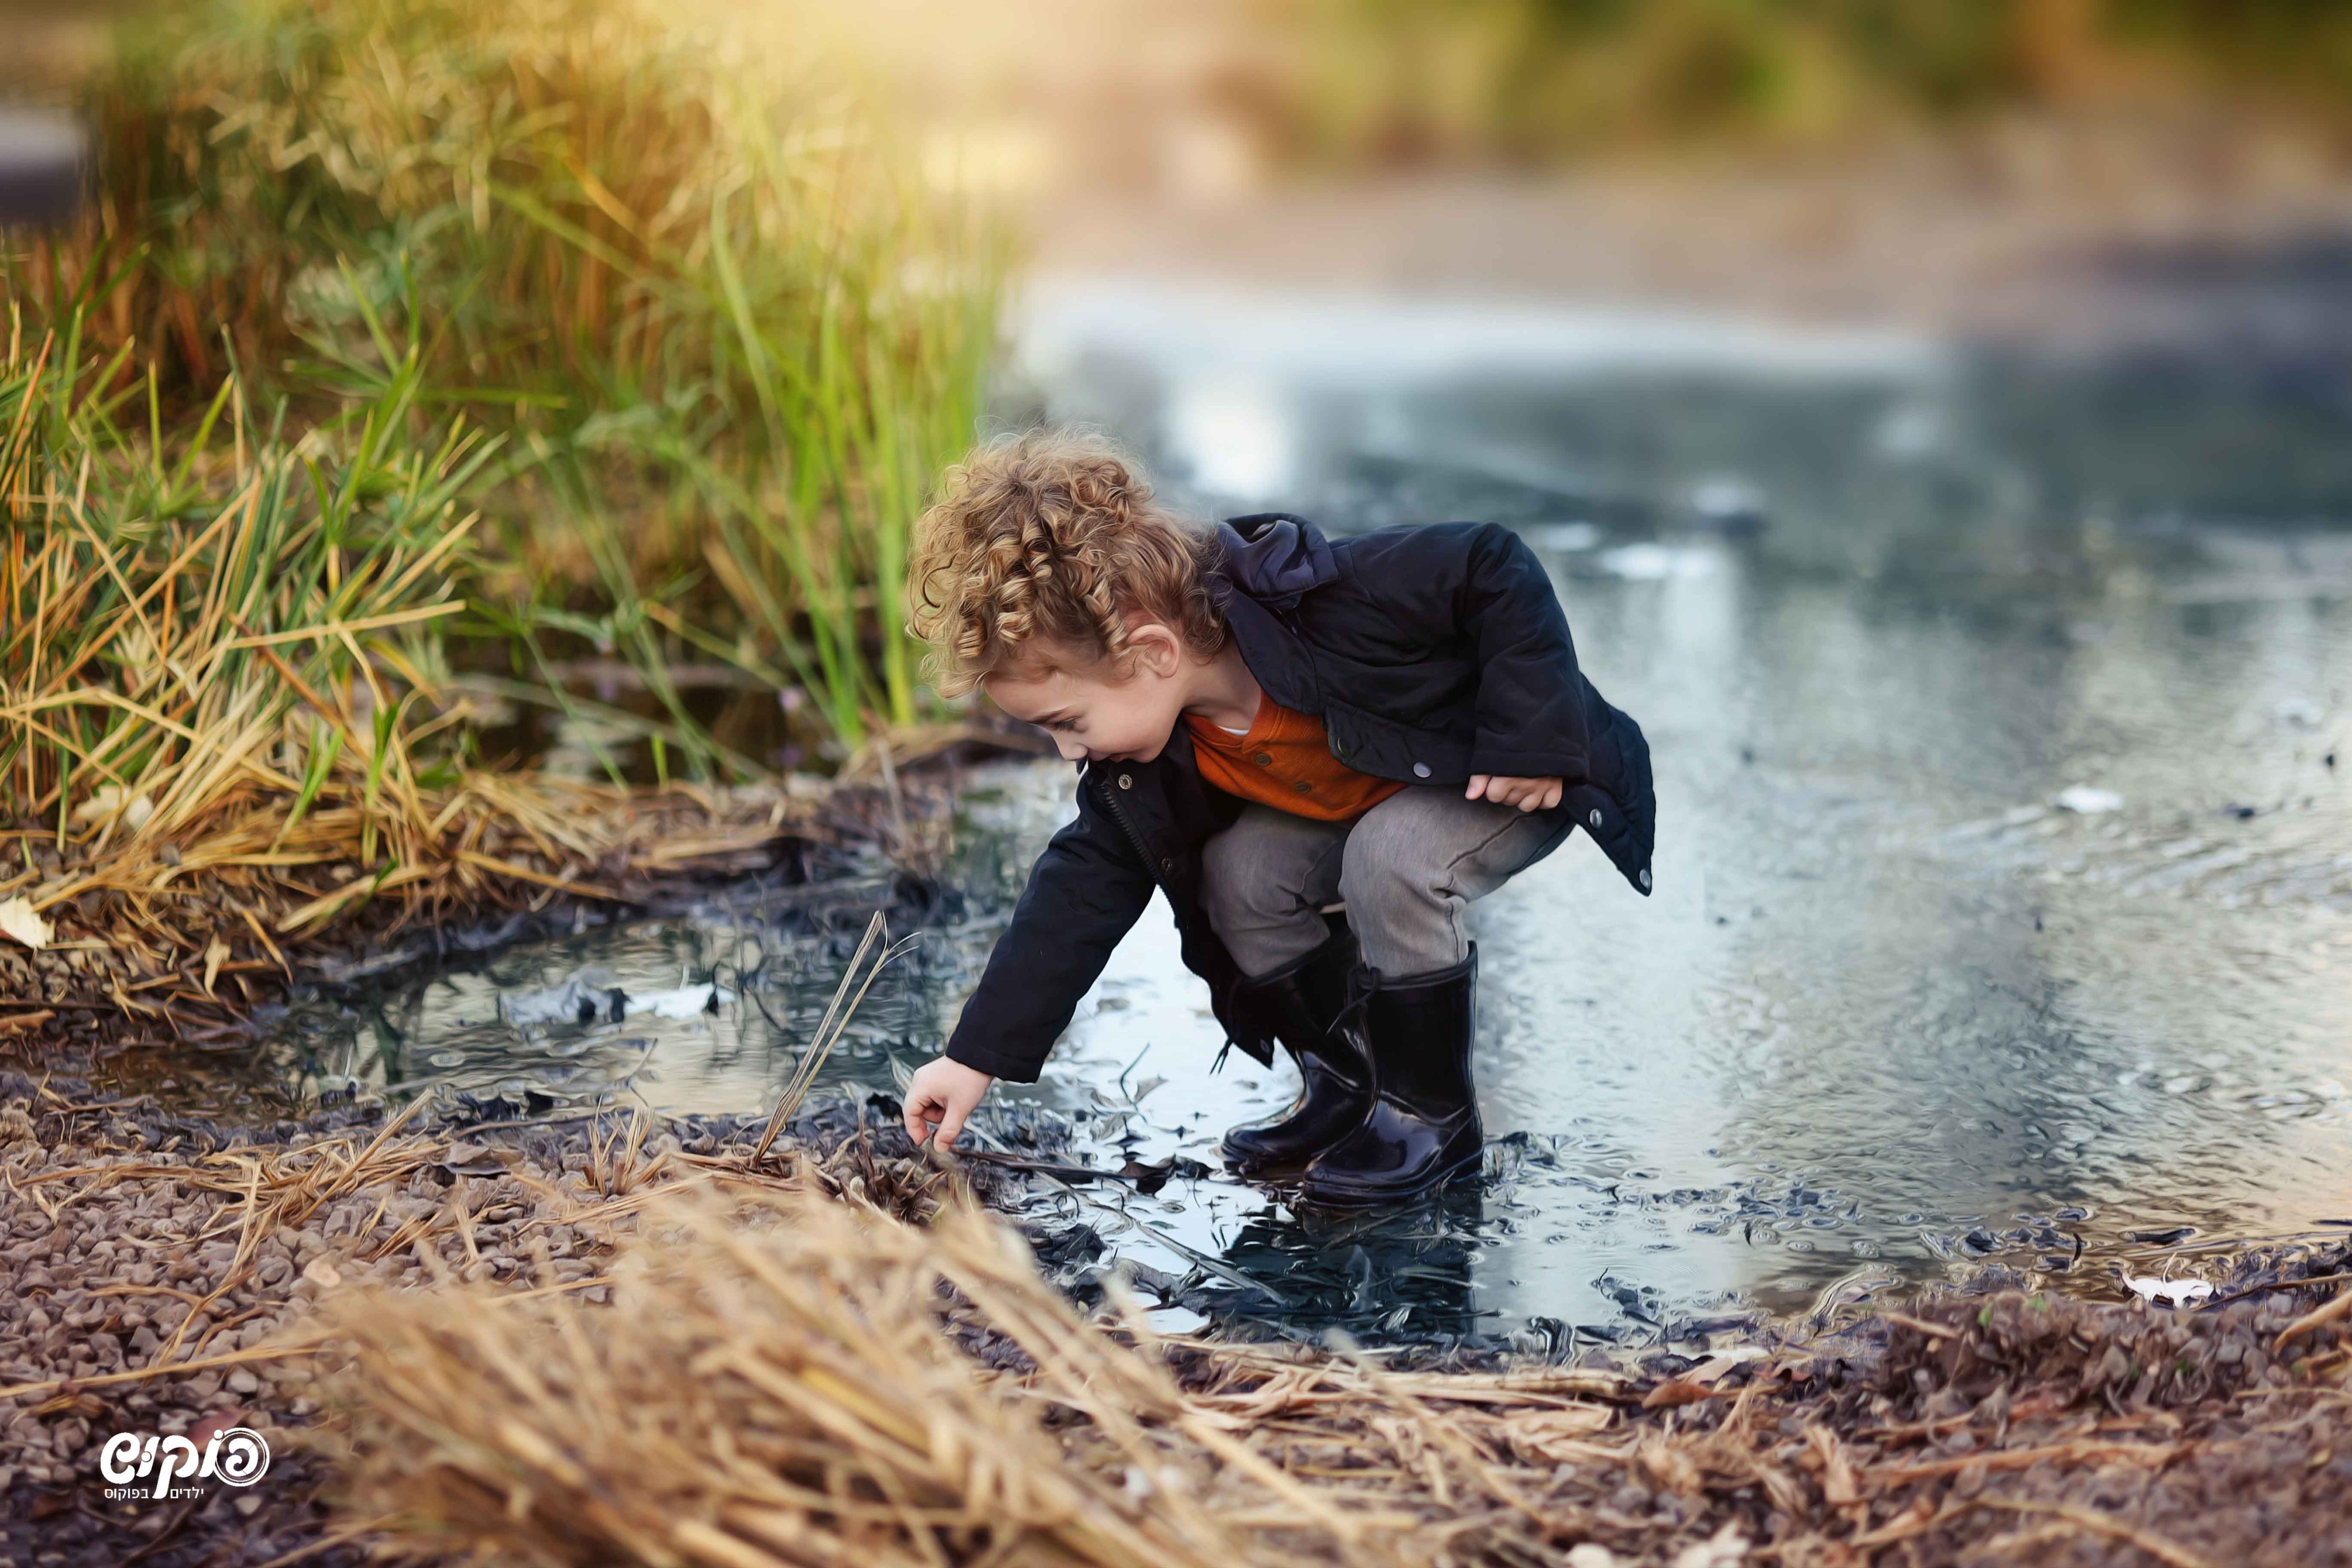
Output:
x=940 y=1095
x=1526 y=794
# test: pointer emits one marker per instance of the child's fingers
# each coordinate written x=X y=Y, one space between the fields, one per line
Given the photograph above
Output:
x=951 y=1125
x=1478 y=786
x=917 y=1115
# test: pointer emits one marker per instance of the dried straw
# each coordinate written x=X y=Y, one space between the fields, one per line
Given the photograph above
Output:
x=789 y=1371
x=785 y=1379
x=225 y=722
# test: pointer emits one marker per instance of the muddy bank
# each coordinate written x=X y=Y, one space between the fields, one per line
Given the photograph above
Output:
x=1996 y=1426
x=159 y=1273
x=166 y=944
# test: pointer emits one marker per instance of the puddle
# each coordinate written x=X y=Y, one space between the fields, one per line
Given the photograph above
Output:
x=1895 y=1008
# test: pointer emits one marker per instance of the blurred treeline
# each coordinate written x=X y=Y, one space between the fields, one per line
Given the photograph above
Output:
x=1387 y=81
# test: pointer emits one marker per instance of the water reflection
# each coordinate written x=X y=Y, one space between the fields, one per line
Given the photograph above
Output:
x=1891 y=1007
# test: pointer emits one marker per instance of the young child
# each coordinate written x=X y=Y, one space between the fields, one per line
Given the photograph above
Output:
x=1268 y=722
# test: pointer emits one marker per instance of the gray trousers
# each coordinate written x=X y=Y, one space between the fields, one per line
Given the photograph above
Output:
x=1405 y=869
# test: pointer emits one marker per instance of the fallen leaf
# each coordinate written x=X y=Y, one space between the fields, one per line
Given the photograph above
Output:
x=1147 y=1178
x=1551 y=1436
x=1682 y=1391
x=1838 y=1485
x=17 y=920
x=104 y=800
x=214 y=957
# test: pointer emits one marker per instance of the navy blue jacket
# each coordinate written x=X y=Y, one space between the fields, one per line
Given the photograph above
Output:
x=1430 y=653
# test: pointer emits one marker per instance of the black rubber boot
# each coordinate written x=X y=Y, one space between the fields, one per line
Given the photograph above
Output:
x=1296 y=1004
x=1424 y=1124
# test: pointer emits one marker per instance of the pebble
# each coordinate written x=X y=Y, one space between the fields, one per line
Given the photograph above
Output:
x=70 y=1292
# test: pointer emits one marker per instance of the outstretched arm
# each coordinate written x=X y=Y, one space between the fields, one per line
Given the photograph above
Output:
x=1084 y=894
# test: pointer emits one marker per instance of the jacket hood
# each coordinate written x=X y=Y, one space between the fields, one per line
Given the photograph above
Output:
x=1274 y=557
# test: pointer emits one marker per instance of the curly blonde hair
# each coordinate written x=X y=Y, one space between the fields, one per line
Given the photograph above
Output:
x=1051 y=534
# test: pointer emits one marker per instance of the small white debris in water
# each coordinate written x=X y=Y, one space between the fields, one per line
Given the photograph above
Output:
x=588 y=996
x=683 y=1002
x=2178 y=1293
x=2087 y=799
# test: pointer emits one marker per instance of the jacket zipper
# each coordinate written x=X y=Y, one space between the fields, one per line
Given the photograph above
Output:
x=1118 y=815
x=1289 y=619
x=1151 y=868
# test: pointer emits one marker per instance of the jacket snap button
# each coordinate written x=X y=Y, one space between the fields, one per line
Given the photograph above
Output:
x=1126 y=782
x=1304 y=788
x=1645 y=878
x=1168 y=867
x=1264 y=759
x=1596 y=815
x=1421 y=769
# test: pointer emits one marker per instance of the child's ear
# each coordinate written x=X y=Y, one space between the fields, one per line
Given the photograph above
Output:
x=1155 y=647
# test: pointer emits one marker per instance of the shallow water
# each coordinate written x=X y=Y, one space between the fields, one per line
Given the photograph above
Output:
x=1879 y=606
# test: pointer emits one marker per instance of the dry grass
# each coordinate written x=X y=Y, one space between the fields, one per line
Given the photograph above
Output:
x=827 y=1356
x=791 y=1370
x=786 y=1379
x=227 y=725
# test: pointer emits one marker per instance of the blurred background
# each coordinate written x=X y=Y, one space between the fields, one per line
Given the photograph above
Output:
x=1936 y=416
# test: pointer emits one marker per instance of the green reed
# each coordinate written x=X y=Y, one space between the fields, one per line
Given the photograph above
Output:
x=734 y=337
x=232 y=617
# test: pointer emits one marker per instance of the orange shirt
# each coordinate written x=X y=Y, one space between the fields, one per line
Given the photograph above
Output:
x=1286 y=762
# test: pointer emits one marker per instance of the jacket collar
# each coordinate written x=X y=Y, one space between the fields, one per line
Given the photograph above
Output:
x=1276 y=557
x=1271 y=561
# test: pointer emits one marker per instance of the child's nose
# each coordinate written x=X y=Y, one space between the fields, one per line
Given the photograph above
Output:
x=1070 y=749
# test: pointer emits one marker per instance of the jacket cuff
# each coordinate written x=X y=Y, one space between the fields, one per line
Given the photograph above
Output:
x=996 y=1064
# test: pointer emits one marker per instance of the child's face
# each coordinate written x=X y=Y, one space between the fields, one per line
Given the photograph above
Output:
x=1093 y=713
